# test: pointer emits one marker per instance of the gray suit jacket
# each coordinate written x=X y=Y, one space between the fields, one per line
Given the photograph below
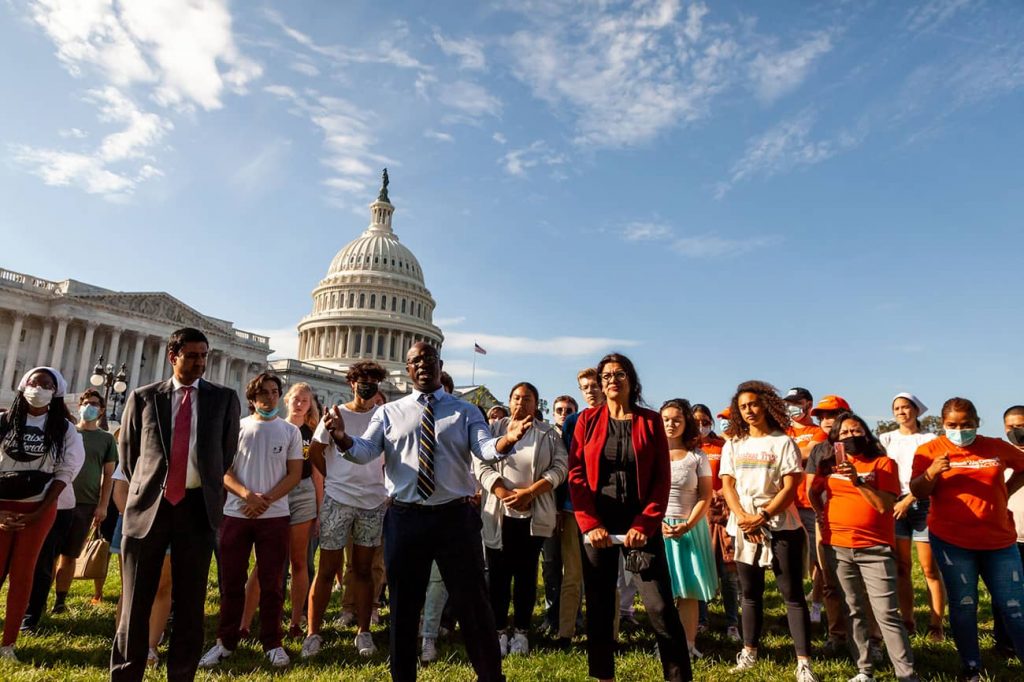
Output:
x=145 y=448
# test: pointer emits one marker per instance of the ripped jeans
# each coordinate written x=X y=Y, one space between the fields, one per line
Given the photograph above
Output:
x=1003 y=573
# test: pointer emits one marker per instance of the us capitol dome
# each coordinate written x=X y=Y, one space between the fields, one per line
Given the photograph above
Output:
x=372 y=304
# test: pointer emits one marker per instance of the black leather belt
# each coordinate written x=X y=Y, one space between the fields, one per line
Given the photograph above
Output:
x=457 y=502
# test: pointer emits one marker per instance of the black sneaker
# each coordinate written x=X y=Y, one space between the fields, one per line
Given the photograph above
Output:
x=59 y=607
x=28 y=625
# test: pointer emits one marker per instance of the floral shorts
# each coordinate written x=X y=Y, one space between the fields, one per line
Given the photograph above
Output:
x=339 y=522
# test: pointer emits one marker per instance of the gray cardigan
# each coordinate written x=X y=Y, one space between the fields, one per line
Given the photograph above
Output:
x=550 y=462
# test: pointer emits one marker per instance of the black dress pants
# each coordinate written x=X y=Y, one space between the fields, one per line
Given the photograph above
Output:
x=185 y=528
x=414 y=537
x=600 y=575
x=512 y=573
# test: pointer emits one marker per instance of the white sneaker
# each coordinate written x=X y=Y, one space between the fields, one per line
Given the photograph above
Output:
x=429 y=652
x=311 y=646
x=365 y=645
x=695 y=655
x=346 y=619
x=153 y=659
x=733 y=634
x=862 y=677
x=804 y=672
x=816 y=612
x=503 y=644
x=212 y=658
x=278 y=657
x=519 y=644
x=7 y=653
x=744 y=661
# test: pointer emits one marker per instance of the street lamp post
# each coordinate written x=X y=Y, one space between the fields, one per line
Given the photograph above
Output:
x=115 y=384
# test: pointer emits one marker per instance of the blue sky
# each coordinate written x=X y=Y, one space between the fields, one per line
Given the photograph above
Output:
x=820 y=195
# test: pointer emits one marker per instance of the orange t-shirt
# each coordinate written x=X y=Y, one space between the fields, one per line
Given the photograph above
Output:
x=805 y=437
x=969 y=501
x=713 y=449
x=850 y=521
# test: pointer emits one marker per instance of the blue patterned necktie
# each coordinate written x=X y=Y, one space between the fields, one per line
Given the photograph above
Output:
x=427 y=446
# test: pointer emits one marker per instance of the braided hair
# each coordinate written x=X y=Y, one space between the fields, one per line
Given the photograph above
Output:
x=12 y=432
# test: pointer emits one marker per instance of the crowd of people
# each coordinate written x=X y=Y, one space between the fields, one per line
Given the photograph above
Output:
x=452 y=509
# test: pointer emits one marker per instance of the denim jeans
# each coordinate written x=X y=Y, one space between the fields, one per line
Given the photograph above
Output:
x=433 y=606
x=1003 y=573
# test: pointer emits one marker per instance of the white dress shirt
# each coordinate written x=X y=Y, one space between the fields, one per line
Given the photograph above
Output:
x=192 y=479
x=394 y=431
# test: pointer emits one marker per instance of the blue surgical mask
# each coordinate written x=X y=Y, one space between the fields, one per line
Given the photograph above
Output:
x=723 y=424
x=961 y=437
x=795 y=411
x=89 y=413
x=267 y=414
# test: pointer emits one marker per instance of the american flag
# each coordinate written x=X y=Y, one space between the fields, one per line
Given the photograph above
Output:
x=478 y=349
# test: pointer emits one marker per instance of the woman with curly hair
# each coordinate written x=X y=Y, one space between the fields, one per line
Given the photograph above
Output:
x=619 y=481
x=41 y=452
x=760 y=471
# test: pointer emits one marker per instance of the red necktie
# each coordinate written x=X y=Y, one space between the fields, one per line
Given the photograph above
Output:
x=174 y=491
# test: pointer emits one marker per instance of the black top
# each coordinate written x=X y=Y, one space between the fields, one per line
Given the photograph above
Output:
x=307 y=438
x=618 y=490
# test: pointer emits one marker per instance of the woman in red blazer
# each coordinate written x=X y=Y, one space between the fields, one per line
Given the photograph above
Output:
x=619 y=479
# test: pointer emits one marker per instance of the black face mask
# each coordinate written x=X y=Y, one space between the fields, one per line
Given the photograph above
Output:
x=1016 y=436
x=857 y=445
x=366 y=391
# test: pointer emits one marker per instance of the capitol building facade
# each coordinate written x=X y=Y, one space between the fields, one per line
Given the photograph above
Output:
x=372 y=304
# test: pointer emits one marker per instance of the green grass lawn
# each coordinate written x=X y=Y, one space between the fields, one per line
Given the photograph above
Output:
x=76 y=646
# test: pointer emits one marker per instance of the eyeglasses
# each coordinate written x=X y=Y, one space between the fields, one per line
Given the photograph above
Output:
x=613 y=376
x=564 y=410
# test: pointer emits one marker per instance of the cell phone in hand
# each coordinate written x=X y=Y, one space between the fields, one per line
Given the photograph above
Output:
x=840 y=451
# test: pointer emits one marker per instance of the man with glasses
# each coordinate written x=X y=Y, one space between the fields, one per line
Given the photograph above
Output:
x=427 y=439
x=551 y=566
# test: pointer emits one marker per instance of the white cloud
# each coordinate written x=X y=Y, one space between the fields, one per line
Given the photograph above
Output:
x=260 y=171
x=470 y=99
x=627 y=73
x=563 y=346
x=443 y=322
x=347 y=138
x=118 y=164
x=774 y=75
x=468 y=51
x=387 y=51
x=462 y=371
x=499 y=138
x=76 y=133
x=439 y=136
x=305 y=68
x=785 y=146
x=646 y=231
x=707 y=245
x=518 y=161
x=931 y=14
x=185 y=51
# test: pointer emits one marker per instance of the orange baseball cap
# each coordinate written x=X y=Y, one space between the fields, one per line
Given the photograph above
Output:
x=831 y=403
x=724 y=414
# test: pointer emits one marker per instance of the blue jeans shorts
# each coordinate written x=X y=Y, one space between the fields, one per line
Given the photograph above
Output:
x=914 y=525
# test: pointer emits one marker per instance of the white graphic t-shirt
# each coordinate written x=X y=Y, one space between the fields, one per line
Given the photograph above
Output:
x=759 y=465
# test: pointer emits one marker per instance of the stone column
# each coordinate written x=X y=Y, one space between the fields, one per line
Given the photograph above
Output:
x=136 y=366
x=44 y=343
x=69 y=359
x=387 y=346
x=12 y=350
x=85 y=362
x=58 y=343
x=348 y=342
x=222 y=370
x=303 y=345
x=159 y=360
x=114 y=348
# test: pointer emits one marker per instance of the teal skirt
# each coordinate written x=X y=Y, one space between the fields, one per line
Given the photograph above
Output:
x=691 y=563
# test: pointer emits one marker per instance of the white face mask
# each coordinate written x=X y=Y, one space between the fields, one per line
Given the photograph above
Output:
x=705 y=429
x=37 y=397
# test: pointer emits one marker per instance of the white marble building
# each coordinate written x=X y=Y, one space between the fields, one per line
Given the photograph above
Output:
x=373 y=303
x=70 y=324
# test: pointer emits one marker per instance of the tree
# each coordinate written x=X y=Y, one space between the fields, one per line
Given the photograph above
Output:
x=929 y=424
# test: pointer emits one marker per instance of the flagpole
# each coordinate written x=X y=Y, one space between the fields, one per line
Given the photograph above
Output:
x=473 y=380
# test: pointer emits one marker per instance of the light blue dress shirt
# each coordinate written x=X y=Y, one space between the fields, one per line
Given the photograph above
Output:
x=394 y=431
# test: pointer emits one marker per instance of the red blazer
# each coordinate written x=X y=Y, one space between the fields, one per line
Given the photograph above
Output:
x=654 y=473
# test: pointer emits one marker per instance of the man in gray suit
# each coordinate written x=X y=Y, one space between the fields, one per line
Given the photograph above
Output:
x=178 y=437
